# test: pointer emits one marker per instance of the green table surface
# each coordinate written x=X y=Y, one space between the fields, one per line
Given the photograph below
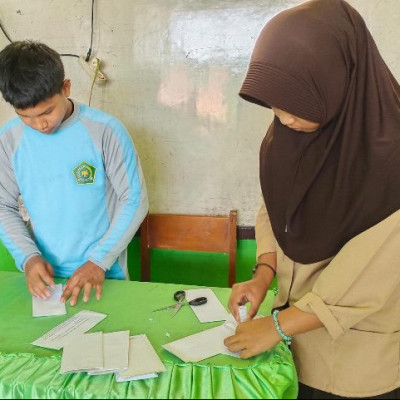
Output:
x=28 y=371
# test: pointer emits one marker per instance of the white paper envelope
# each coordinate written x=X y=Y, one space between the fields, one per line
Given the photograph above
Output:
x=50 y=306
x=204 y=344
x=135 y=378
x=84 y=353
x=143 y=360
x=212 y=311
x=115 y=351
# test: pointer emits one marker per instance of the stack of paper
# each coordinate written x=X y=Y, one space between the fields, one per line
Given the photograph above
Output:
x=130 y=358
x=96 y=353
x=101 y=353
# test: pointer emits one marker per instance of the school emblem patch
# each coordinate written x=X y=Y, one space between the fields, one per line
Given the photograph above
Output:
x=84 y=173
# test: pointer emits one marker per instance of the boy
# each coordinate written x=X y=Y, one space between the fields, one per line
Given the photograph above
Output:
x=77 y=172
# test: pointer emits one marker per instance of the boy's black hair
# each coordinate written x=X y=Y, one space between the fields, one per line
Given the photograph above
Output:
x=30 y=72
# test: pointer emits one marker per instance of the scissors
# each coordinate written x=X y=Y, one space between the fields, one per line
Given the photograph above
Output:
x=180 y=297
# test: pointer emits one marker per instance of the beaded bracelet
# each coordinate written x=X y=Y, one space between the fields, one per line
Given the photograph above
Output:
x=287 y=339
x=265 y=265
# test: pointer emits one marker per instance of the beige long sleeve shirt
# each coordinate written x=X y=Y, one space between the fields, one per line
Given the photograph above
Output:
x=356 y=295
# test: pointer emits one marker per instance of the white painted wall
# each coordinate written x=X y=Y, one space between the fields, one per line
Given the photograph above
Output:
x=174 y=70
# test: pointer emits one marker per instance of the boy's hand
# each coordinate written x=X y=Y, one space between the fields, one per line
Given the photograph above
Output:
x=86 y=277
x=39 y=275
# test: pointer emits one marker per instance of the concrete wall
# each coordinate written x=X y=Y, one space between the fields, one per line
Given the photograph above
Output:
x=174 y=68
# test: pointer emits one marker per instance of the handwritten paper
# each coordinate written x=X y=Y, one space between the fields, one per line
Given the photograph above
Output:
x=62 y=334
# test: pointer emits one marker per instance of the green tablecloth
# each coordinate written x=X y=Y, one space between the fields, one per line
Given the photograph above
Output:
x=27 y=371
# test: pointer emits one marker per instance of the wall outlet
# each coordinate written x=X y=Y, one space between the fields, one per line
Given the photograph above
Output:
x=92 y=68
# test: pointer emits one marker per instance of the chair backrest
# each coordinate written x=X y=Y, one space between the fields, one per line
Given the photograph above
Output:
x=205 y=233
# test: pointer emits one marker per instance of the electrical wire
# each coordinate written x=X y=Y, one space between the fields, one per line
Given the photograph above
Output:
x=74 y=55
x=5 y=33
x=64 y=54
x=89 y=53
x=91 y=35
x=69 y=55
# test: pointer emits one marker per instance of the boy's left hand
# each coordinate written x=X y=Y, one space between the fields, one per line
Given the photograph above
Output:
x=86 y=277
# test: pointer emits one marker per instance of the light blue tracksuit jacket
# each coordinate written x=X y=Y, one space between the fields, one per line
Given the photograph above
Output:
x=82 y=187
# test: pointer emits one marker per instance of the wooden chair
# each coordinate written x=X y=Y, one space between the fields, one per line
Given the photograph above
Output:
x=189 y=232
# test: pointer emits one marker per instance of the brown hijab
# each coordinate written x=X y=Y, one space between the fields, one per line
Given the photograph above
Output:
x=319 y=62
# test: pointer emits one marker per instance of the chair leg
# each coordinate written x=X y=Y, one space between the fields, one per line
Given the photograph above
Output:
x=232 y=247
x=145 y=251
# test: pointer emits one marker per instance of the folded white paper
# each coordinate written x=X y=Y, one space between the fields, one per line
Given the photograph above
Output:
x=62 y=334
x=135 y=378
x=243 y=313
x=204 y=344
x=143 y=360
x=212 y=311
x=84 y=353
x=50 y=306
x=115 y=353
